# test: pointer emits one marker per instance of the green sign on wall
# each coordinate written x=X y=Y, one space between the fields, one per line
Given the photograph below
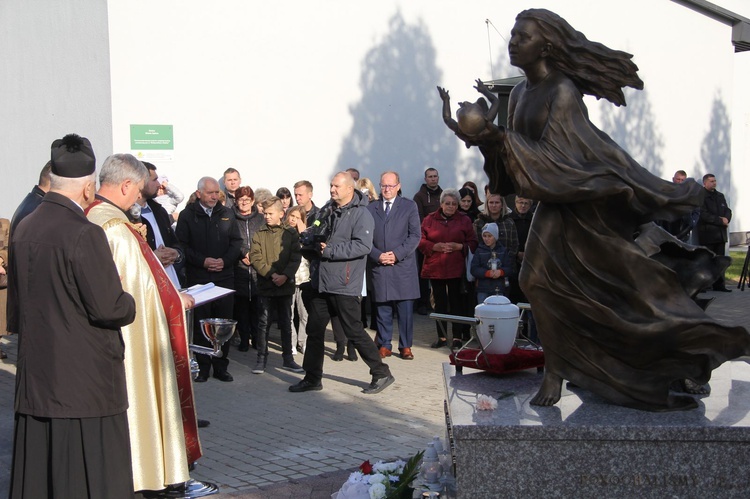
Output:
x=151 y=137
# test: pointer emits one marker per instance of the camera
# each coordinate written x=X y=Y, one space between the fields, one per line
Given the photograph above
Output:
x=317 y=233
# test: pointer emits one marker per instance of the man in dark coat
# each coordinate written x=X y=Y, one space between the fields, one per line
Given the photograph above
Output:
x=159 y=234
x=428 y=201
x=303 y=192
x=680 y=227
x=211 y=240
x=394 y=265
x=33 y=198
x=66 y=303
x=714 y=219
x=521 y=217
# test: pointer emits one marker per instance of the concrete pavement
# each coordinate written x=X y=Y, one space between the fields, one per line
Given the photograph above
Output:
x=265 y=442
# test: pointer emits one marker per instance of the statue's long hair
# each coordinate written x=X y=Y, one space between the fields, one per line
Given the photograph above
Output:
x=594 y=68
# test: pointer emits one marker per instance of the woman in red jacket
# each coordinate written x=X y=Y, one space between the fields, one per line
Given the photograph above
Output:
x=447 y=236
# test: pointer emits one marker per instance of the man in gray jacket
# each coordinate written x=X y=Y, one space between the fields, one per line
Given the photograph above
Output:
x=337 y=278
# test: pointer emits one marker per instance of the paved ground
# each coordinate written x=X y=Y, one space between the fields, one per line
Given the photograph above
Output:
x=267 y=443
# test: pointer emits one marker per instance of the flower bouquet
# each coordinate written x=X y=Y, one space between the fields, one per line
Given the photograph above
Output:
x=381 y=480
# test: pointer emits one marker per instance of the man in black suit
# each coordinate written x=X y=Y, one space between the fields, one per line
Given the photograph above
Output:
x=713 y=222
x=66 y=303
x=159 y=234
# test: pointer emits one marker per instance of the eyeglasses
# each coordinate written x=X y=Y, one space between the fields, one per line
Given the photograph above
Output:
x=386 y=186
x=244 y=200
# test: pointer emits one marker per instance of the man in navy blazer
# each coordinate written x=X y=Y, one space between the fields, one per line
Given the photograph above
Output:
x=394 y=264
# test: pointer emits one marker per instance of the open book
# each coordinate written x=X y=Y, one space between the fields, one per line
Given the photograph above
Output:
x=205 y=293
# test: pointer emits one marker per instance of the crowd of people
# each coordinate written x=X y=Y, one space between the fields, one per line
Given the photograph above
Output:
x=288 y=262
x=445 y=250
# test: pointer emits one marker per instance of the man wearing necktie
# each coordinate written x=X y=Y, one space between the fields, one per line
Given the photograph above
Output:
x=394 y=265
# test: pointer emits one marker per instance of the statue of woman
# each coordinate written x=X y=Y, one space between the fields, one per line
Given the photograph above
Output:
x=612 y=319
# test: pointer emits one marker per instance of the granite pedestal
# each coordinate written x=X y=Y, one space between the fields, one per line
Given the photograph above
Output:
x=586 y=447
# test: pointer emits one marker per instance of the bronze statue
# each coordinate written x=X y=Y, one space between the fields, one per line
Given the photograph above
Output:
x=613 y=317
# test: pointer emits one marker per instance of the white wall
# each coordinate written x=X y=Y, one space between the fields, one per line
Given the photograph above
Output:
x=54 y=81
x=271 y=88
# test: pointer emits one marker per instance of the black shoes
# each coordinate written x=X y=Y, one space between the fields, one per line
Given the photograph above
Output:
x=378 y=385
x=441 y=342
x=305 y=386
x=225 y=376
x=203 y=423
x=351 y=352
x=292 y=366
x=339 y=355
x=723 y=290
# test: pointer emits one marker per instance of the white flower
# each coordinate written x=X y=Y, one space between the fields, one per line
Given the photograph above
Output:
x=378 y=478
x=381 y=467
x=394 y=478
x=485 y=403
x=353 y=491
x=356 y=477
x=377 y=491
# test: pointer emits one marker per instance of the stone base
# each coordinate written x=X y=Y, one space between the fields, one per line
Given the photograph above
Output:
x=586 y=447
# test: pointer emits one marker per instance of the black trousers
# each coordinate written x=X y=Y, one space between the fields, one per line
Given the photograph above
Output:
x=283 y=307
x=219 y=309
x=320 y=308
x=246 y=313
x=449 y=300
x=718 y=248
x=424 y=284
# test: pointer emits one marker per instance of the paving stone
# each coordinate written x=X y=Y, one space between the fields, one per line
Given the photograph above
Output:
x=263 y=438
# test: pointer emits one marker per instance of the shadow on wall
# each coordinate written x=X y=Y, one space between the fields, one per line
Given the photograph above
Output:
x=716 y=150
x=397 y=123
x=634 y=129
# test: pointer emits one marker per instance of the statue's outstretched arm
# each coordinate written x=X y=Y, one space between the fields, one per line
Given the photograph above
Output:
x=449 y=121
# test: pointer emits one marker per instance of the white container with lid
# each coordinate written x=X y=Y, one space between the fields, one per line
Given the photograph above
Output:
x=498 y=324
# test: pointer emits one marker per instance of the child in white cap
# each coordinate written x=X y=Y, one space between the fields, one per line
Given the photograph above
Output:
x=491 y=264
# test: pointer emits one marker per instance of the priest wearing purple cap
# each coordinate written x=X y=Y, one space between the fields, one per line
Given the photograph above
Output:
x=67 y=305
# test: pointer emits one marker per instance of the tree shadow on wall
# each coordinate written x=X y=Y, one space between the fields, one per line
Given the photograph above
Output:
x=716 y=150
x=397 y=124
x=634 y=129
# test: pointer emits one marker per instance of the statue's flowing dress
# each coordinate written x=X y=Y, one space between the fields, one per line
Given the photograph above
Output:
x=612 y=318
